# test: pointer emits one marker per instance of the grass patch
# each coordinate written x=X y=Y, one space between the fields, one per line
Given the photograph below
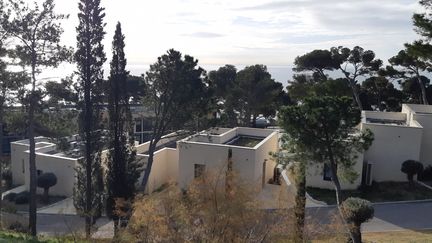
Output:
x=389 y=237
x=378 y=192
x=13 y=237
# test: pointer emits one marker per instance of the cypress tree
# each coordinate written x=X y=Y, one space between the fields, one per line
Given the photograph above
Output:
x=90 y=56
x=123 y=170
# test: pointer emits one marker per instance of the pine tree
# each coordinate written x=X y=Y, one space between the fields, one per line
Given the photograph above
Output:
x=37 y=30
x=123 y=170
x=90 y=57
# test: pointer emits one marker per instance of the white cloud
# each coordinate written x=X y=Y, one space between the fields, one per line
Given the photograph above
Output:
x=253 y=31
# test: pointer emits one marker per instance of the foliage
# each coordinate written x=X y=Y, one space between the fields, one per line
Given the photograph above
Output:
x=412 y=67
x=45 y=181
x=353 y=63
x=258 y=93
x=177 y=92
x=37 y=31
x=411 y=168
x=324 y=128
x=381 y=94
x=123 y=170
x=303 y=86
x=90 y=57
x=426 y=174
x=223 y=83
x=378 y=192
x=203 y=213
x=356 y=212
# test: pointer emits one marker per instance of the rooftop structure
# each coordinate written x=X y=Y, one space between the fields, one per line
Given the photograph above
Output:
x=175 y=159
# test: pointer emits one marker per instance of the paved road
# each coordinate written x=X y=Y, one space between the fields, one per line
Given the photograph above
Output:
x=388 y=216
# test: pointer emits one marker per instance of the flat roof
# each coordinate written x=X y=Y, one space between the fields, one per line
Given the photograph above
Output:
x=386 y=121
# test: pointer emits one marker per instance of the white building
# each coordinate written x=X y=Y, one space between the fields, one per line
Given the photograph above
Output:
x=176 y=160
x=398 y=136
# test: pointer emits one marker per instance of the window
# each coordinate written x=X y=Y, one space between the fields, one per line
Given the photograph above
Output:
x=23 y=167
x=327 y=173
x=198 y=170
x=138 y=126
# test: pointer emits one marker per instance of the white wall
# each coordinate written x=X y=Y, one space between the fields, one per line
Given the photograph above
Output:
x=392 y=146
x=215 y=157
x=143 y=148
x=247 y=162
x=426 y=145
x=315 y=176
x=18 y=161
x=270 y=144
x=164 y=168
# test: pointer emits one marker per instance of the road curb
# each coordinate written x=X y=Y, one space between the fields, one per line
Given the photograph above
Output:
x=381 y=203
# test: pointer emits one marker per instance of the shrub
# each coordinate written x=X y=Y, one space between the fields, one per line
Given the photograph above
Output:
x=426 y=174
x=357 y=211
x=411 y=168
x=45 y=181
x=18 y=227
x=22 y=198
x=7 y=177
x=10 y=197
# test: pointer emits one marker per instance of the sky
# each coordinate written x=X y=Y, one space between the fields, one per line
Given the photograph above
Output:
x=247 y=32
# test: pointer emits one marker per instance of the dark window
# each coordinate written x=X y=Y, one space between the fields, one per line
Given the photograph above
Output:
x=198 y=170
x=147 y=124
x=138 y=126
x=327 y=173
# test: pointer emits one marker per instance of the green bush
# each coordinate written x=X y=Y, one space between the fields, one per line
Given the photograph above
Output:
x=357 y=211
x=45 y=181
x=411 y=168
x=426 y=174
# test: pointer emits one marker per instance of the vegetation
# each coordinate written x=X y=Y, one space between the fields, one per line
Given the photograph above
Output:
x=357 y=211
x=37 y=32
x=378 y=192
x=123 y=169
x=178 y=93
x=207 y=211
x=411 y=168
x=324 y=128
x=90 y=57
x=45 y=181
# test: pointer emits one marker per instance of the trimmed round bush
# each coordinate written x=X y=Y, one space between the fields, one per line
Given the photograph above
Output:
x=357 y=210
x=411 y=168
x=45 y=181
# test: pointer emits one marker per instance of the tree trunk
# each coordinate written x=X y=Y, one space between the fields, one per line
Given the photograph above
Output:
x=147 y=170
x=1 y=169
x=300 y=203
x=32 y=159
x=46 y=195
x=339 y=196
x=356 y=233
x=356 y=94
x=253 y=120
x=423 y=90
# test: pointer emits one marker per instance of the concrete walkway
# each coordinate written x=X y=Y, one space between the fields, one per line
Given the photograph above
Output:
x=64 y=207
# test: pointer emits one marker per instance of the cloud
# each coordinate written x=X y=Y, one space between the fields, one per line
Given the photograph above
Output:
x=204 y=35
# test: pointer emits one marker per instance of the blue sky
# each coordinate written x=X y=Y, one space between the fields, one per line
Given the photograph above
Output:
x=248 y=32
